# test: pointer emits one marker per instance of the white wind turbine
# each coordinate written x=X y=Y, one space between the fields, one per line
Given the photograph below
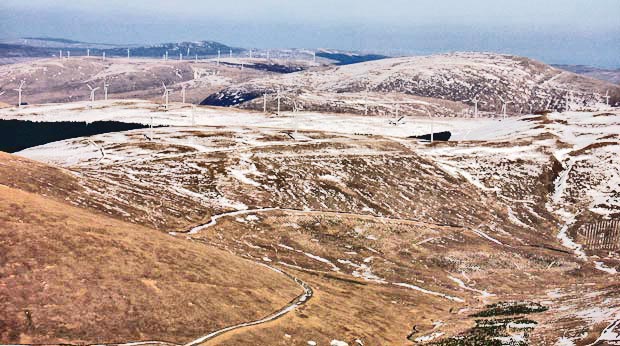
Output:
x=230 y=53
x=180 y=56
x=92 y=92
x=128 y=53
x=166 y=94
x=278 y=101
x=183 y=87
x=19 y=93
x=105 y=89
x=103 y=56
x=504 y=106
x=60 y=54
x=475 y=100
x=219 y=54
x=87 y=51
x=607 y=97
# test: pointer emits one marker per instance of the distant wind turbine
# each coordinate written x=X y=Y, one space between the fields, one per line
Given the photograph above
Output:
x=504 y=106
x=87 y=51
x=180 y=56
x=183 y=87
x=103 y=56
x=607 y=97
x=219 y=53
x=278 y=101
x=128 y=53
x=230 y=53
x=475 y=100
x=105 y=89
x=92 y=92
x=19 y=93
x=60 y=54
x=166 y=94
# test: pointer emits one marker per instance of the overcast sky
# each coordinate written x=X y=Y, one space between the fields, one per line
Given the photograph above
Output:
x=555 y=31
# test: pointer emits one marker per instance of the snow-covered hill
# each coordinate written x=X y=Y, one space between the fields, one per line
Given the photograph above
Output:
x=526 y=85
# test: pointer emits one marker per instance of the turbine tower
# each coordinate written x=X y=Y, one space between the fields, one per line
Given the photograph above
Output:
x=87 y=51
x=92 y=92
x=607 y=97
x=180 y=56
x=60 y=54
x=230 y=53
x=105 y=89
x=166 y=94
x=218 y=57
x=183 y=87
x=127 y=53
x=19 y=93
x=475 y=100
x=504 y=106
x=103 y=56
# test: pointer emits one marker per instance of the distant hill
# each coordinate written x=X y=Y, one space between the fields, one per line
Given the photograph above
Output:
x=47 y=47
x=608 y=75
x=347 y=58
x=525 y=84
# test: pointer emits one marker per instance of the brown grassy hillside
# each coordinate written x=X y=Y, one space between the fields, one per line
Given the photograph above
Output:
x=71 y=275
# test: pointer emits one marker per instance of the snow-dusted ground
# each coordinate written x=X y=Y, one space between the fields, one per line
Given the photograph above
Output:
x=147 y=113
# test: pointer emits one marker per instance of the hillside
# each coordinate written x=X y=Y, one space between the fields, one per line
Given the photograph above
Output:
x=389 y=232
x=72 y=275
x=526 y=85
x=66 y=80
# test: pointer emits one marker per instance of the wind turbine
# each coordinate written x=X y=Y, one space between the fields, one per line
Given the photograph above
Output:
x=103 y=56
x=105 y=89
x=92 y=92
x=607 y=97
x=475 y=101
x=183 y=92
x=278 y=101
x=219 y=53
x=187 y=51
x=166 y=94
x=87 y=51
x=68 y=54
x=19 y=93
x=504 y=106
x=264 y=101
x=127 y=53
x=250 y=53
x=180 y=56
x=230 y=53
x=60 y=54
x=314 y=56
x=166 y=56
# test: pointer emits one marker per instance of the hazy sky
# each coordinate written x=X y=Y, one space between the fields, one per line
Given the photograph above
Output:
x=555 y=31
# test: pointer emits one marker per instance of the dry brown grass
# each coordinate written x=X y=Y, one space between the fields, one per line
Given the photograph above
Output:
x=85 y=277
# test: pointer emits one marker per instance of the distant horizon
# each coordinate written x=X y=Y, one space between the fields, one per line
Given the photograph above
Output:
x=572 y=32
